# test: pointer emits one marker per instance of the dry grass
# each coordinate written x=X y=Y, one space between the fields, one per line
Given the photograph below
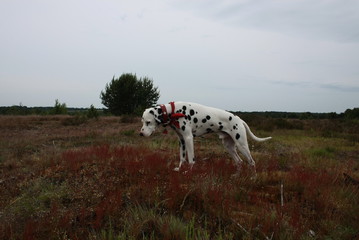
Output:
x=97 y=179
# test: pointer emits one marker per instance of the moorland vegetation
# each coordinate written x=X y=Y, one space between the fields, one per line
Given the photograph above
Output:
x=77 y=177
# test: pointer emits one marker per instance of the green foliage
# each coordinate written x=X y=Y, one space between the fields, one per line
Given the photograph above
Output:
x=129 y=95
x=59 y=108
x=92 y=112
x=352 y=113
x=14 y=110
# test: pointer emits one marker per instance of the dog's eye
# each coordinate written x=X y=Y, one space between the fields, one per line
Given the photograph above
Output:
x=148 y=123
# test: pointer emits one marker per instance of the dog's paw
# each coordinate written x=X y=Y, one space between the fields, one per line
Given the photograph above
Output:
x=176 y=169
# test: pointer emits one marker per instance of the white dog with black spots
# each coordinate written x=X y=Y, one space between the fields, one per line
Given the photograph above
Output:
x=193 y=120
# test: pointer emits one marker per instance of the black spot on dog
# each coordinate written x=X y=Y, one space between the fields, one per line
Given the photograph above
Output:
x=238 y=136
x=212 y=125
x=230 y=118
x=191 y=112
x=195 y=120
x=184 y=108
x=234 y=127
x=159 y=111
x=184 y=123
x=220 y=127
x=204 y=120
x=208 y=117
x=208 y=130
x=183 y=128
x=184 y=155
x=189 y=117
x=220 y=123
x=152 y=112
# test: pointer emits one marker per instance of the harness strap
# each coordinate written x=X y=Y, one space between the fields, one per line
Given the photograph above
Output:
x=173 y=107
x=173 y=117
x=164 y=112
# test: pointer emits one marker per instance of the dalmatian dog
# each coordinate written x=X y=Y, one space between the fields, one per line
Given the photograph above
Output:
x=193 y=120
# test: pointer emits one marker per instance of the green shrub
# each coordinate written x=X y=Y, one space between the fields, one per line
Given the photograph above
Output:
x=92 y=112
x=59 y=108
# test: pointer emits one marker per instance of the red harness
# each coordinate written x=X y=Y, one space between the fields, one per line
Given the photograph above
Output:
x=172 y=118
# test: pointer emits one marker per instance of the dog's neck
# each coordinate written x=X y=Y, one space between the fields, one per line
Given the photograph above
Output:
x=169 y=115
x=167 y=110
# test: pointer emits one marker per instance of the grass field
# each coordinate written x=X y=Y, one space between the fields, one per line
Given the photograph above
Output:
x=64 y=177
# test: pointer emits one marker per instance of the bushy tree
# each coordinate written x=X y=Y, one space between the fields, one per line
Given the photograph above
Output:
x=92 y=112
x=352 y=113
x=129 y=95
x=59 y=108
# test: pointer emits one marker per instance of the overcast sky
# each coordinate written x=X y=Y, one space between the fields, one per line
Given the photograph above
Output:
x=245 y=55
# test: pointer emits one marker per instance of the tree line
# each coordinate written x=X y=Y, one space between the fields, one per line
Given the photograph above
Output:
x=57 y=109
x=23 y=110
x=130 y=95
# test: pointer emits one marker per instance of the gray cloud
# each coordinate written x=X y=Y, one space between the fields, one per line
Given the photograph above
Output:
x=335 y=20
x=293 y=84
x=341 y=88
x=326 y=86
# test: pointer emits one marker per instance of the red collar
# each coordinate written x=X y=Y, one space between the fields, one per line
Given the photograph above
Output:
x=171 y=118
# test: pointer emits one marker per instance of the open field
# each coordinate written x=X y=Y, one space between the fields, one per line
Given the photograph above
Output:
x=64 y=177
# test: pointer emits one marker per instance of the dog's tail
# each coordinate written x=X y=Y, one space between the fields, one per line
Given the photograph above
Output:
x=254 y=137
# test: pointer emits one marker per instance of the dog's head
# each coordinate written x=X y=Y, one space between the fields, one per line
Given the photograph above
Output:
x=150 y=119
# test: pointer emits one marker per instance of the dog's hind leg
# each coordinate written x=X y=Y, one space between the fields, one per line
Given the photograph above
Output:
x=230 y=146
x=244 y=149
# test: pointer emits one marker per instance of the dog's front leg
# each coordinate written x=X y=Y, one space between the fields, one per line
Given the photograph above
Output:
x=182 y=151
x=188 y=139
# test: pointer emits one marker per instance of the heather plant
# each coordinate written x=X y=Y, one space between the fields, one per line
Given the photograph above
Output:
x=100 y=181
x=76 y=120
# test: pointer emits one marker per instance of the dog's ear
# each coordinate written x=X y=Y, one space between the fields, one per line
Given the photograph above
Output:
x=157 y=113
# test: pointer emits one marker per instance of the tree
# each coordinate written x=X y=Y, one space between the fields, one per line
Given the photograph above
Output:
x=352 y=113
x=59 y=108
x=129 y=95
x=92 y=112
